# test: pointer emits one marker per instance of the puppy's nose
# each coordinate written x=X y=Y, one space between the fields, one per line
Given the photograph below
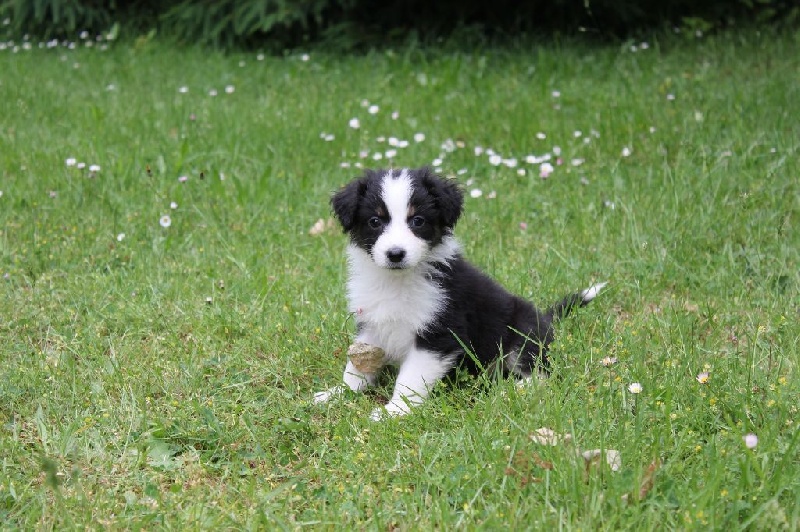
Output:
x=396 y=255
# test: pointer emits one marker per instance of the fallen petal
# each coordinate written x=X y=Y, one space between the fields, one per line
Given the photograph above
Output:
x=613 y=458
x=546 y=436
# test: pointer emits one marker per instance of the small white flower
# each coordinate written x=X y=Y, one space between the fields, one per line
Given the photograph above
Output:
x=541 y=136
x=395 y=115
x=495 y=159
x=478 y=151
x=670 y=97
x=626 y=152
x=750 y=440
x=230 y=89
x=305 y=57
x=556 y=150
x=419 y=137
x=183 y=179
x=80 y=166
x=511 y=162
x=260 y=57
x=71 y=161
x=364 y=103
x=437 y=162
x=556 y=94
x=165 y=221
x=402 y=144
x=120 y=237
x=354 y=123
x=1 y=193
x=373 y=109
x=94 y=168
x=173 y=205
x=608 y=361
x=577 y=162
x=545 y=169
x=577 y=134
x=521 y=172
x=183 y=90
x=390 y=154
x=377 y=156
x=635 y=388
x=476 y=193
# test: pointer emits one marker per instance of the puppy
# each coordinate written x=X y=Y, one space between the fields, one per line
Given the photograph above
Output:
x=415 y=296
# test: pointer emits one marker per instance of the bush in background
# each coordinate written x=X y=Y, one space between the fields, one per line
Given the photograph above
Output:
x=277 y=24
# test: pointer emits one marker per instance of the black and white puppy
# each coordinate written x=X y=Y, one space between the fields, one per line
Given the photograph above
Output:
x=417 y=298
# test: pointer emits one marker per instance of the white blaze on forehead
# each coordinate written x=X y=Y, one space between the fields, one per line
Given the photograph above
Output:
x=396 y=194
x=397 y=236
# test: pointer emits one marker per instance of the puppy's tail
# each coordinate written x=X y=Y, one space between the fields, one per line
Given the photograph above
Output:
x=580 y=299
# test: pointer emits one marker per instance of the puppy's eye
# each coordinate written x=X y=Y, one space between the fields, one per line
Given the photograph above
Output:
x=375 y=222
x=417 y=221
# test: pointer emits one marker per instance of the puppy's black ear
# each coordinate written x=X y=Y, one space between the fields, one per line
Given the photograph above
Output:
x=449 y=198
x=346 y=200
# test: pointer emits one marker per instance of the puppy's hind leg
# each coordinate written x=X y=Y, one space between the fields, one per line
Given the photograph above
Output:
x=353 y=379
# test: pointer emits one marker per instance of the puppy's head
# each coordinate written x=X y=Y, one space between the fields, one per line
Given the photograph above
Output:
x=398 y=217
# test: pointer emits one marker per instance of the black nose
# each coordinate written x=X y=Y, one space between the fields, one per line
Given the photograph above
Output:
x=396 y=255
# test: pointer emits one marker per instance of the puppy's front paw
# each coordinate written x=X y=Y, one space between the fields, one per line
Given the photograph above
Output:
x=392 y=409
x=327 y=395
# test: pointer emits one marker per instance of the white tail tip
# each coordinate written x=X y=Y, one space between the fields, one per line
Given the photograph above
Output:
x=591 y=292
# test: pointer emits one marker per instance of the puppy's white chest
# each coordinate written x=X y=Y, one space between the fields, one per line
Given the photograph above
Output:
x=392 y=307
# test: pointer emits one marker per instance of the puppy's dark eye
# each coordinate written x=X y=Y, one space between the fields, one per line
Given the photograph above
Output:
x=417 y=221
x=375 y=222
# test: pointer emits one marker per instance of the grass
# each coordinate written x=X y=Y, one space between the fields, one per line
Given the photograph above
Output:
x=161 y=376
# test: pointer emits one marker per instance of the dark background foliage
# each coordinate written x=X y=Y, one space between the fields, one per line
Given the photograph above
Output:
x=348 y=24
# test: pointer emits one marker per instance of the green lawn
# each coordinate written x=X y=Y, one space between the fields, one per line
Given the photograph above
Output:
x=162 y=376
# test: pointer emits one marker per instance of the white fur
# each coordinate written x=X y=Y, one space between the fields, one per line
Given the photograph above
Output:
x=591 y=292
x=396 y=195
x=418 y=373
x=391 y=307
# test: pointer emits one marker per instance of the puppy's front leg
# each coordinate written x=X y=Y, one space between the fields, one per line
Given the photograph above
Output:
x=353 y=378
x=419 y=372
